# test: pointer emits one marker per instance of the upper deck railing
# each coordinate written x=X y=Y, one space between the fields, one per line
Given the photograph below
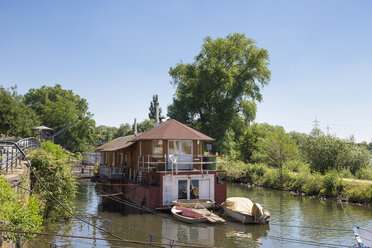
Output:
x=179 y=163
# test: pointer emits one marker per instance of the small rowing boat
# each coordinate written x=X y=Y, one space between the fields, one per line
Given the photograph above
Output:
x=187 y=215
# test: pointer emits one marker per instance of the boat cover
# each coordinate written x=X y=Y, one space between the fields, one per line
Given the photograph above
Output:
x=239 y=204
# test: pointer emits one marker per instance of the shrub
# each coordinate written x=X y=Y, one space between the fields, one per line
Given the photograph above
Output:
x=255 y=173
x=312 y=184
x=361 y=193
x=236 y=171
x=57 y=178
x=17 y=214
x=55 y=150
x=332 y=184
x=271 y=178
x=364 y=173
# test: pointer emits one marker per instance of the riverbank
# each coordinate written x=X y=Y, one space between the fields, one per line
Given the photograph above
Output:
x=301 y=182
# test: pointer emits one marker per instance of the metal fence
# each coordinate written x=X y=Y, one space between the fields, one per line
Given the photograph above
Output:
x=10 y=155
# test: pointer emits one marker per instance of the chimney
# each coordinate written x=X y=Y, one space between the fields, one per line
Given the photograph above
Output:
x=157 y=115
x=135 y=126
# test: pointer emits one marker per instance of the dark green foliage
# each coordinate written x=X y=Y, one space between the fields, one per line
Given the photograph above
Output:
x=152 y=108
x=50 y=165
x=220 y=87
x=56 y=108
x=16 y=119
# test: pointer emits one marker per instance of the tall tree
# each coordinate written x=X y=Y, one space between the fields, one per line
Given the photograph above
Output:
x=56 y=108
x=152 y=108
x=16 y=119
x=221 y=86
x=276 y=148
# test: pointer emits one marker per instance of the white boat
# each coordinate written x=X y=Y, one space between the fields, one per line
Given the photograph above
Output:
x=244 y=210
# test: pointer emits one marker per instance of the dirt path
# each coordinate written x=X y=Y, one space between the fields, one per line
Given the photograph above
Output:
x=357 y=180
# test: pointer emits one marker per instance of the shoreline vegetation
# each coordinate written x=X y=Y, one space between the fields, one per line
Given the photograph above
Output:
x=301 y=183
x=32 y=207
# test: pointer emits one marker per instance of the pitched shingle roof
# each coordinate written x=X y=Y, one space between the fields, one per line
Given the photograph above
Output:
x=116 y=144
x=172 y=129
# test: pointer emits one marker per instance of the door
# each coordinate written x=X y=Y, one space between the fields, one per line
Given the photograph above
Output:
x=204 y=189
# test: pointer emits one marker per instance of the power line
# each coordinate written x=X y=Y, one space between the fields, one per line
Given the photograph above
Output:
x=95 y=238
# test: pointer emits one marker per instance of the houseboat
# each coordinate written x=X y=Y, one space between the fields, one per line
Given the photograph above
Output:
x=164 y=164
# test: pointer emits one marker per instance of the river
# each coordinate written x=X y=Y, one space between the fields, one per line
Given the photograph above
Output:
x=295 y=221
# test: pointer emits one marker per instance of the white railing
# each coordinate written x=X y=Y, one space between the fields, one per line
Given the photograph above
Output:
x=145 y=163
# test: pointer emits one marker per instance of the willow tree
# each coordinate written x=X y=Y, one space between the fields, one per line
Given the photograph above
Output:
x=217 y=93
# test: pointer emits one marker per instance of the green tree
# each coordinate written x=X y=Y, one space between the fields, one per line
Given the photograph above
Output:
x=249 y=140
x=322 y=152
x=145 y=125
x=276 y=149
x=152 y=108
x=220 y=86
x=353 y=158
x=123 y=130
x=326 y=153
x=105 y=133
x=56 y=108
x=16 y=119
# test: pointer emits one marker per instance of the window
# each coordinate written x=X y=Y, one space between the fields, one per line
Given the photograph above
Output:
x=173 y=147
x=186 y=148
x=157 y=147
x=199 y=147
x=182 y=189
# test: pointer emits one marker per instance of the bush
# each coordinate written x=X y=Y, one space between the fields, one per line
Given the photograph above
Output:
x=332 y=184
x=17 y=214
x=237 y=171
x=312 y=184
x=361 y=193
x=55 y=150
x=255 y=173
x=271 y=178
x=57 y=177
x=326 y=153
x=364 y=173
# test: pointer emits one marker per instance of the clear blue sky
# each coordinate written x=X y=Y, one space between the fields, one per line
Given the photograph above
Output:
x=117 y=54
